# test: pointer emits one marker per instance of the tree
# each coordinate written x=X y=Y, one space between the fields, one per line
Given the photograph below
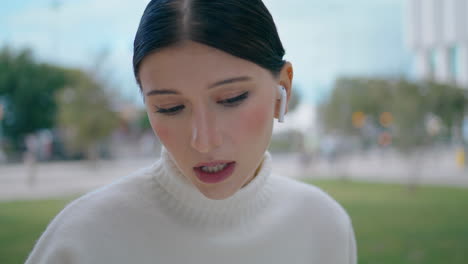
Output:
x=85 y=114
x=27 y=90
x=409 y=104
x=365 y=97
x=358 y=104
x=451 y=109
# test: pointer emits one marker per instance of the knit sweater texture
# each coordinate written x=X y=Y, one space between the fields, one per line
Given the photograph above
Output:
x=156 y=215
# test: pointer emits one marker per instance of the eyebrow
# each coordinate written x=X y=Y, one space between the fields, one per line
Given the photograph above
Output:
x=216 y=84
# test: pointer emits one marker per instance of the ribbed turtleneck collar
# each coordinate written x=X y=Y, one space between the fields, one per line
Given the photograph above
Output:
x=187 y=204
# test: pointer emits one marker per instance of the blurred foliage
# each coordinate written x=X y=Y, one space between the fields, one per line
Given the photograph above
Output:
x=40 y=96
x=143 y=121
x=85 y=114
x=357 y=106
x=27 y=91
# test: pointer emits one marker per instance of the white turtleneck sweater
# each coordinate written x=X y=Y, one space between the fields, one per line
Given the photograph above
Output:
x=157 y=216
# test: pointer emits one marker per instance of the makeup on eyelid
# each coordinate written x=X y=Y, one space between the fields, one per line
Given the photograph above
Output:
x=221 y=96
x=228 y=102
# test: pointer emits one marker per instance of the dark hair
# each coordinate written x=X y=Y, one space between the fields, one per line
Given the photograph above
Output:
x=242 y=28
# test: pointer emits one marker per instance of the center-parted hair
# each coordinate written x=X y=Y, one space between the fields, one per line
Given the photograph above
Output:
x=242 y=28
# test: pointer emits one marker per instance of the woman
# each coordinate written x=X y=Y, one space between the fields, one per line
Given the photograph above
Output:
x=209 y=73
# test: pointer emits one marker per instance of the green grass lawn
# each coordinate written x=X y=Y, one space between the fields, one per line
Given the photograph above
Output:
x=21 y=224
x=392 y=225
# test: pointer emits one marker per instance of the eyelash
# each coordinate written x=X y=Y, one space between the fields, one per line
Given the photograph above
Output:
x=230 y=102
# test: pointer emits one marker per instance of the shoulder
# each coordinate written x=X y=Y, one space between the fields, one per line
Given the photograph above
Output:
x=100 y=214
x=312 y=203
x=317 y=216
x=127 y=193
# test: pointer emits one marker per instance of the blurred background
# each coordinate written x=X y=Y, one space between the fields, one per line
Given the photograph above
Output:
x=378 y=118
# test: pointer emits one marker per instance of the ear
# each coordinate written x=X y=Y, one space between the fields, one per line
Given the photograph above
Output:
x=285 y=78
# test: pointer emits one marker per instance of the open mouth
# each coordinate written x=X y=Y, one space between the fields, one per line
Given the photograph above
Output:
x=216 y=173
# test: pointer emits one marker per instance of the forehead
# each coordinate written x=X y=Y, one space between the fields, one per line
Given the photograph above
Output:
x=194 y=63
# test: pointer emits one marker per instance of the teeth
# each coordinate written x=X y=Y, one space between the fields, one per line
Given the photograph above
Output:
x=214 y=168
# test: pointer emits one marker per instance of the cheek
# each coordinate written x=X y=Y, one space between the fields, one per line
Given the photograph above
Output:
x=255 y=119
x=162 y=131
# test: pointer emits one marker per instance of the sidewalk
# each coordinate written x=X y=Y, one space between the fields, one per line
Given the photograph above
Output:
x=60 y=179
x=73 y=178
x=390 y=167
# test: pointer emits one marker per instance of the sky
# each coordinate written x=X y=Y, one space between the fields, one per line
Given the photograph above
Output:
x=323 y=39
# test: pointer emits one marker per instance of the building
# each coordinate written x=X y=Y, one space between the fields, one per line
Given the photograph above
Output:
x=437 y=33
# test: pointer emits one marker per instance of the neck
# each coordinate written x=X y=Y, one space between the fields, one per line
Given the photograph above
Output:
x=187 y=205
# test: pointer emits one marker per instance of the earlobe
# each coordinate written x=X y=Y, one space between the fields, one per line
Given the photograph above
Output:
x=290 y=73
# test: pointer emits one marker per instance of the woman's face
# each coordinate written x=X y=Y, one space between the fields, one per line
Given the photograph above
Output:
x=206 y=105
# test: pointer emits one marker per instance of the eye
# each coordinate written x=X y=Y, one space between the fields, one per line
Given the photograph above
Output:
x=169 y=111
x=234 y=101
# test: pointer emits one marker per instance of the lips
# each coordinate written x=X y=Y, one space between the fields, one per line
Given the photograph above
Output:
x=214 y=177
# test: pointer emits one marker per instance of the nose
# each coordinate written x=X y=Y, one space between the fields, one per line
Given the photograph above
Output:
x=205 y=134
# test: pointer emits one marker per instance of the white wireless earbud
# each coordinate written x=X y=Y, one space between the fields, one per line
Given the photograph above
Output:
x=283 y=100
